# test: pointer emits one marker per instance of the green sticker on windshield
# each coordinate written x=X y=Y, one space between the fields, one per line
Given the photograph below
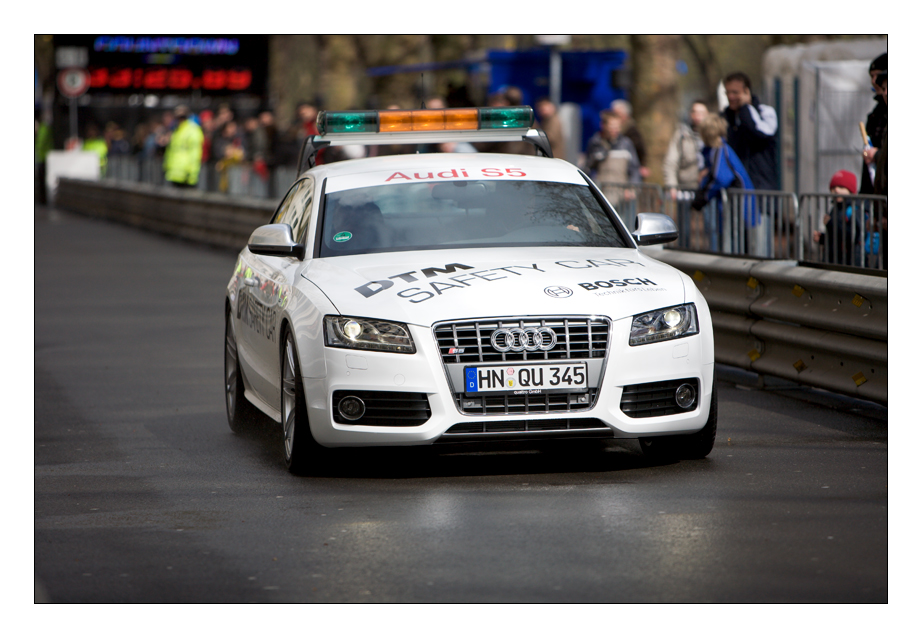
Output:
x=343 y=236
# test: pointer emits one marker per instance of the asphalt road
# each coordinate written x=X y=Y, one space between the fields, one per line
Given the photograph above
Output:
x=143 y=494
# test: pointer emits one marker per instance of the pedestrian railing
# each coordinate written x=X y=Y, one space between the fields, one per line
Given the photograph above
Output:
x=756 y=223
x=759 y=223
x=214 y=177
x=848 y=230
x=630 y=199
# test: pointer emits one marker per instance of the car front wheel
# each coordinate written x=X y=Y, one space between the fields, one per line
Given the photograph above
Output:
x=301 y=451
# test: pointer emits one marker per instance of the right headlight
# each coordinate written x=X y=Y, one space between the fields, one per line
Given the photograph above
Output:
x=367 y=334
x=664 y=324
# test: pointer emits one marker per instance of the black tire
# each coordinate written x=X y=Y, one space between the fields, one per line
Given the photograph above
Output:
x=302 y=452
x=241 y=414
x=685 y=446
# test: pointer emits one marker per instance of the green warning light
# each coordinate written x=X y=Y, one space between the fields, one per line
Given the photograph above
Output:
x=347 y=122
x=506 y=117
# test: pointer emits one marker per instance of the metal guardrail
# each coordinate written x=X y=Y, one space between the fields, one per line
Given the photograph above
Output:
x=816 y=327
x=208 y=218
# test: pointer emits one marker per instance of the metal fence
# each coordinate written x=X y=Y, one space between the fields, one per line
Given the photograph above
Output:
x=630 y=199
x=846 y=230
x=232 y=179
x=811 y=227
x=760 y=223
x=742 y=222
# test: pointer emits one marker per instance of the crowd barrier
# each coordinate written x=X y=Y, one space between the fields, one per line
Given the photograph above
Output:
x=848 y=231
x=215 y=177
x=818 y=327
x=770 y=224
x=756 y=223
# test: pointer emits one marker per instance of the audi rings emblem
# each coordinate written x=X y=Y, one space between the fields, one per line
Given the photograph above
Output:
x=519 y=339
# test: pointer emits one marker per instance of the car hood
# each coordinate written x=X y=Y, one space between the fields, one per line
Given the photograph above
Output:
x=425 y=287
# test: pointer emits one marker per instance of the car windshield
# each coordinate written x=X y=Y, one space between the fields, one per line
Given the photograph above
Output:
x=464 y=214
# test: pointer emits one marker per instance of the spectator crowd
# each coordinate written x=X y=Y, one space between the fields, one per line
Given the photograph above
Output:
x=735 y=148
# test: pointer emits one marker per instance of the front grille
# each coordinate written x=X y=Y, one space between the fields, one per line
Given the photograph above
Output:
x=655 y=399
x=400 y=409
x=469 y=341
x=561 y=427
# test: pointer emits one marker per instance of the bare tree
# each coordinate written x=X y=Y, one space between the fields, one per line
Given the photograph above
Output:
x=655 y=94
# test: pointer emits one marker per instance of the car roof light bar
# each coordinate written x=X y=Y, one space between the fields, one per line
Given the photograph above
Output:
x=425 y=120
x=423 y=126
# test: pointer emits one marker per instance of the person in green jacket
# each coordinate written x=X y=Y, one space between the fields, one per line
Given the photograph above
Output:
x=182 y=160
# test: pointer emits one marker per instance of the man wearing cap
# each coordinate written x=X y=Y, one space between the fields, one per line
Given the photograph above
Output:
x=182 y=160
x=875 y=125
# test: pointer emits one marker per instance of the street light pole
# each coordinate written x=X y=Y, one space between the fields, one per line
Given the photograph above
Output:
x=554 y=42
x=555 y=76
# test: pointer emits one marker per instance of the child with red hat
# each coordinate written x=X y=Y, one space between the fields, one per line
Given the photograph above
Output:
x=840 y=229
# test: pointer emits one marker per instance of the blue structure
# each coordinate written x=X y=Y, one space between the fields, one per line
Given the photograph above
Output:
x=588 y=78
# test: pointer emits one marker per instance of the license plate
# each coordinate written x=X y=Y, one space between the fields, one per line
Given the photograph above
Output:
x=526 y=379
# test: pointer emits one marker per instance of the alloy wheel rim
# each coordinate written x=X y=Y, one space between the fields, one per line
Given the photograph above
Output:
x=288 y=397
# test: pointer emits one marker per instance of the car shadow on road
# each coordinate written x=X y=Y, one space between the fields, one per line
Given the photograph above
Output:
x=496 y=458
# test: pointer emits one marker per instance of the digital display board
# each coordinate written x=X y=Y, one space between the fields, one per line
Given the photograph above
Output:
x=218 y=65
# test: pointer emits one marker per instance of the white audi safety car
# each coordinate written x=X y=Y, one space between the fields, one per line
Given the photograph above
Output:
x=438 y=297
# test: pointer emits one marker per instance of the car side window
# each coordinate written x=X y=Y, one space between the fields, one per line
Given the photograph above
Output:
x=295 y=209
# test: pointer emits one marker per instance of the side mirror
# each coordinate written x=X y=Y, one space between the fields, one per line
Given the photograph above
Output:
x=275 y=240
x=655 y=228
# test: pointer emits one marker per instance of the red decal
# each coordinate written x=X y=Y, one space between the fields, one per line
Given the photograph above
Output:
x=396 y=175
x=447 y=174
x=515 y=172
x=491 y=172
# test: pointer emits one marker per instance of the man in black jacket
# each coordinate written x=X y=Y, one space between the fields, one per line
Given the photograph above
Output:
x=876 y=124
x=752 y=131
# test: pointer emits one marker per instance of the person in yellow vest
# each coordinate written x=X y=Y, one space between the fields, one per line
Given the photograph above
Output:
x=95 y=143
x=182 y=160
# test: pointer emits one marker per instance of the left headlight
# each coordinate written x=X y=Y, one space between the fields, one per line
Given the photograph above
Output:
x=664 y=324
x=367 y=334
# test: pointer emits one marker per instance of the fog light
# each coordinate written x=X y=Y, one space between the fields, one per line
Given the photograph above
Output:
x=685 y=396
x=351 y=408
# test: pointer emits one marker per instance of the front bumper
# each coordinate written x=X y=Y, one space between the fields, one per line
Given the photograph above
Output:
x=423 y=374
